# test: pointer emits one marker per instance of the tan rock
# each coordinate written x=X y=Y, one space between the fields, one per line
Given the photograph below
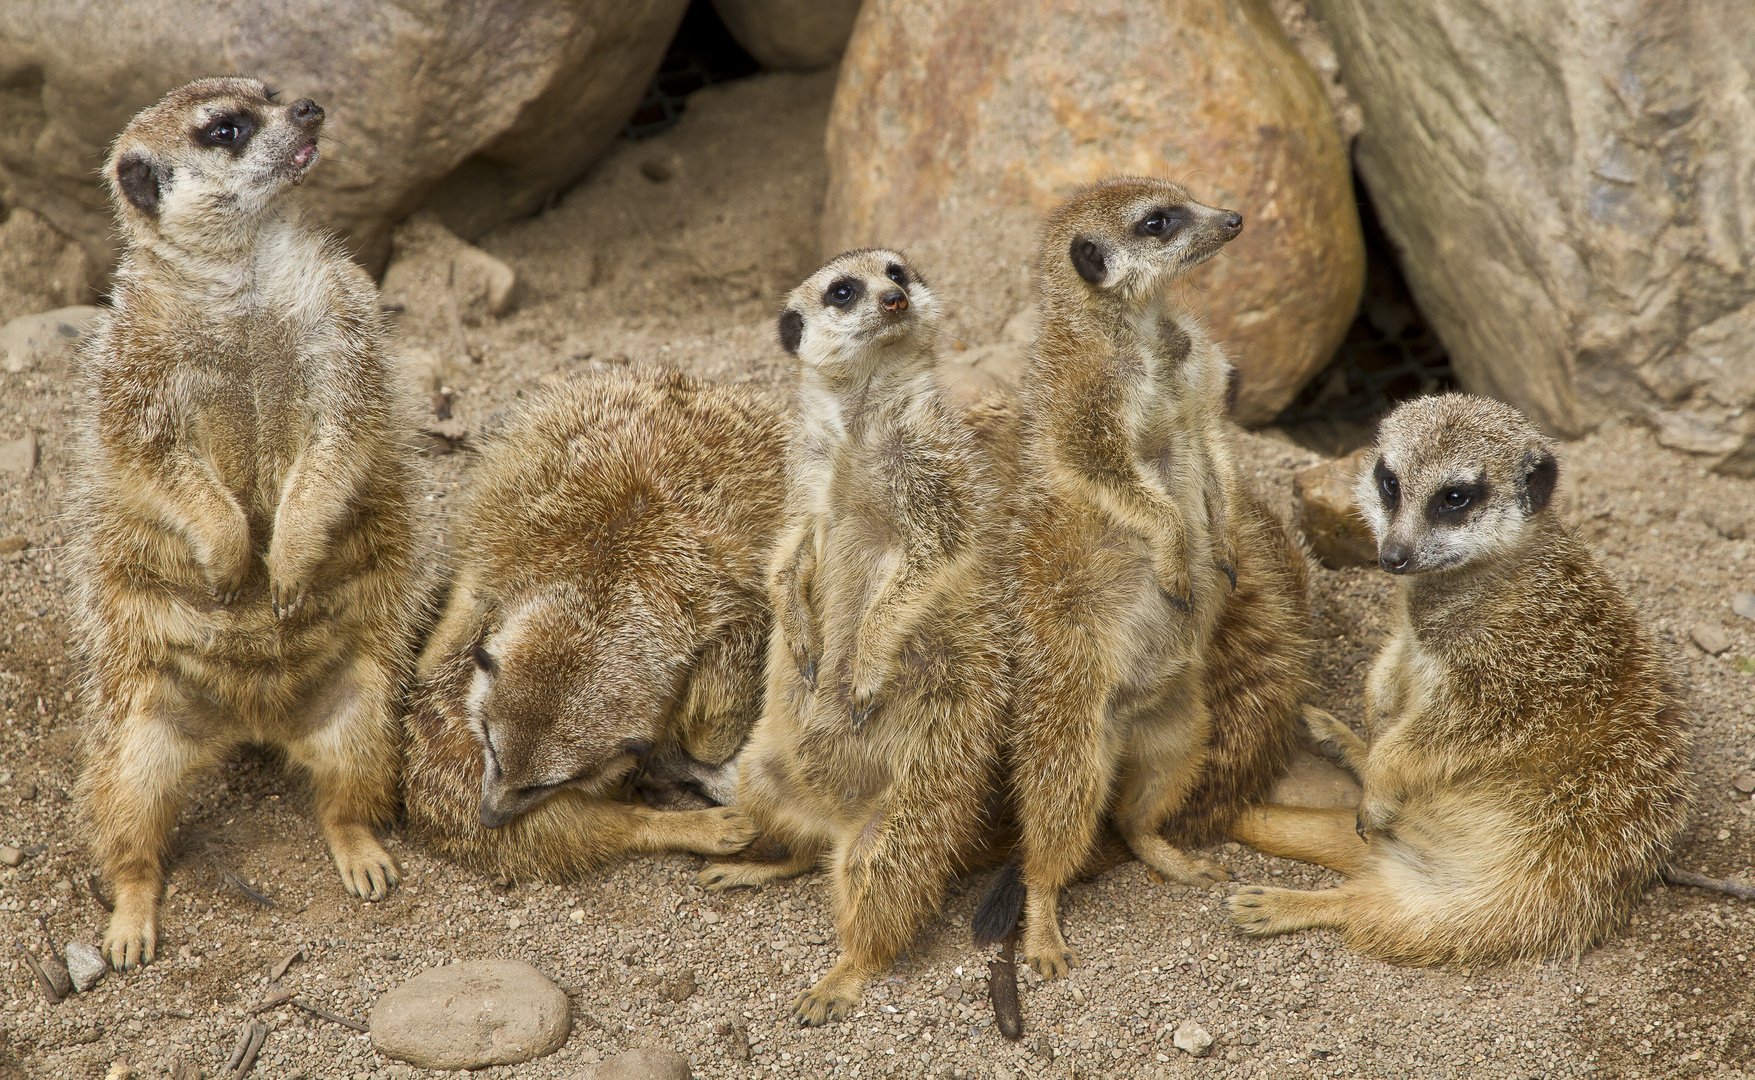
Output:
x=40 y=267
x=1568 y=182
x=958 y=123
x=790 y=35
x=1311 y=781
x=32 y=341
x=470 y=1015
x=1712 y=640
x=481 y=111
x=1328 y=515
x=433 y=273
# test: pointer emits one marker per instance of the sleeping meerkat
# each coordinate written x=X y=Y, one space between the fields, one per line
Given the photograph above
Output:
x=609 y=616
x=1162 y=632
x=242 y=518
x=887 y=670
x=1527 y=769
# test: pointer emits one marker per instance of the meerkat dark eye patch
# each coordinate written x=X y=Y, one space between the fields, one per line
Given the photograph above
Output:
x=1089 y=259
x=1451 y=503
x=843 y=292
x=1389 y=489
x=1541 y=473
x=230 y=132
x=1163 y=222
x=791 y=331
x=897 y=274
x=484 y=661
x=142 y=181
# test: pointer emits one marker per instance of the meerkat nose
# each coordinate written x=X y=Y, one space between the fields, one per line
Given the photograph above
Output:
x=306 y=112
x=1395 y=559
x=1233 y=222
x=894 y=302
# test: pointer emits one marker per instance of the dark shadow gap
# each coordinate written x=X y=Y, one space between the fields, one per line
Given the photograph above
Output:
x=701 y=54
x=1390 y=354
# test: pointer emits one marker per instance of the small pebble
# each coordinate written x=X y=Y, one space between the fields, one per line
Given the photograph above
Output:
x=1745 y=783
x=10 y=855
x=1192 y=1039
x=85 y=965
x=1744 y=604
x=1711 y=639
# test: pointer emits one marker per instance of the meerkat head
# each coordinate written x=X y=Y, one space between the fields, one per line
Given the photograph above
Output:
x=863 y=311
x=209 y=160
x=1125 y=238
x=1459 y=481
x=565 y=697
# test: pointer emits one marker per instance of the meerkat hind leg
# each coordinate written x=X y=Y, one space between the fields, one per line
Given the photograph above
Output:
x=717 y=830
x=352 y=759
x=1164 y=763
x=131 y=795
x=1327 y=836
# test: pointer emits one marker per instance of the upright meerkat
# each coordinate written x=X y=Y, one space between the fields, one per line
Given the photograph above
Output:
x=609 y=616
x=888 y=684
x=1528 y=765
x=241 y=505
x=1163 y=644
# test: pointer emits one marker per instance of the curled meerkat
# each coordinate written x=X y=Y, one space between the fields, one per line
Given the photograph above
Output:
x=1162 y=634
x=243 y=558
x=1527 y=769
x=888 y=685
x=609 y=617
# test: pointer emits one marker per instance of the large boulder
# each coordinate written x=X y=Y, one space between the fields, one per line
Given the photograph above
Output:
x=790 y=35
x=958 y=123
x=482 y=110
x=1572 y=186
x=40 y=267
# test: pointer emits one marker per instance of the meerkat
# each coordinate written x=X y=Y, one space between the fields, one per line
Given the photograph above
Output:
x=1527 y=769
x=241 y=507
x=1162 y=638
x=888 y=686
x=610 y=617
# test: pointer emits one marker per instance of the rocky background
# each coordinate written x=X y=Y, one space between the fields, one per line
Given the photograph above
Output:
x=1543 y=201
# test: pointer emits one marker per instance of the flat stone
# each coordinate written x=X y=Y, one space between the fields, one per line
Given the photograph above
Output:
x=57 y=975
x=653 y=1064
x=1191 y=1038
x=1711 y=639
x=1744 y=604
x=85 y=965
x=1328 y=516
x=20 y=455
x=10 y=855
x=29 y=341
x=471 y=1015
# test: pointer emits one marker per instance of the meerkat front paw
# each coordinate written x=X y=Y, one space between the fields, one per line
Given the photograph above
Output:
x=285 y=597
x=726 y=831
x=1225 y=556
x=1176 y=582
x=807 y=664
x=1256 y=911
x=1334 y=739
x=367 y=870
x=721 y=876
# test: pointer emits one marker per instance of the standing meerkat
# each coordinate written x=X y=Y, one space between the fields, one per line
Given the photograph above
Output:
x=609 y=616
x=888 y=682
x=1162 y=637
x=241 y=504
x=1528 y=765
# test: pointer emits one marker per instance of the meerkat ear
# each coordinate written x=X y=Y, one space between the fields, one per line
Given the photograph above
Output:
x=791 y=331
x=142 y=181
x=1089 y=259
x=1541 y=473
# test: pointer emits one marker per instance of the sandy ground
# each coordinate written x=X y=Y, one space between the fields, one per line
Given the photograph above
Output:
x=688 y=270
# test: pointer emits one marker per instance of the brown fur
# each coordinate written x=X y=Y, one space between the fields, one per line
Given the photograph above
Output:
x=241 y=506
x=888 y=686
x=1527 y=771
x=1150 y=687
x=610 y=613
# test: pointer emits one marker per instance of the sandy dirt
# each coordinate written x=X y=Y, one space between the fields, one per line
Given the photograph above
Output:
x=677 y=249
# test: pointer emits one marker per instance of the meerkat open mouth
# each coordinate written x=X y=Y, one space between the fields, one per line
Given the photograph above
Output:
x=302 y=160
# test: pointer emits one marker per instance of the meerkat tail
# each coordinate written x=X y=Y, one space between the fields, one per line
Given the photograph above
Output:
x=996 y=916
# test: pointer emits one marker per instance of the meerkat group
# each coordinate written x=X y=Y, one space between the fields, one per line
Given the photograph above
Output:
x=894 y=637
